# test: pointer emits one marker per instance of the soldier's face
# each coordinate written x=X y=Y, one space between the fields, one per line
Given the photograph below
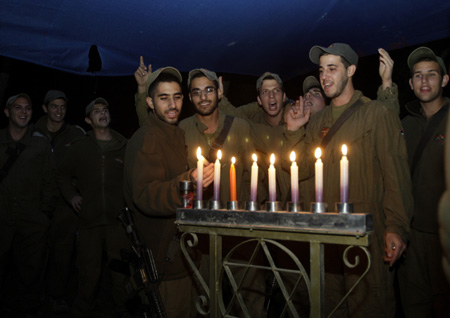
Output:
x=314 y=100
x=271 y=97
x=19 y=113
x=204 y=95
x=167 y=102
x=99 y=117
x=427 y=81
x=56 y=110
x=333 y=75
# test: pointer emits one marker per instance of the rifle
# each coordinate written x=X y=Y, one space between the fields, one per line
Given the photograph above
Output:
x=146 y=276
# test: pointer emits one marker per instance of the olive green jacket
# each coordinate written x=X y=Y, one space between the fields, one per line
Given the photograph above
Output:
x=155 y=163
x=99 y=177
x=29 y=189
x=379 y=179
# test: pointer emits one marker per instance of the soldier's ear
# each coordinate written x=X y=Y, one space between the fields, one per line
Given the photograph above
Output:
x=445 y=80
x=149 y=101
x=44 y=108
x=6 y=110
x=87 y=120
x=351 y=70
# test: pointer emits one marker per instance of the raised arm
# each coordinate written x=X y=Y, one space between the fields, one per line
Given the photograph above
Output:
x=141 y=75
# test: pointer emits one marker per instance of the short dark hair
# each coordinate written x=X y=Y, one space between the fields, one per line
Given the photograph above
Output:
x=162 y=78
x=198 y=75
x=427 y=59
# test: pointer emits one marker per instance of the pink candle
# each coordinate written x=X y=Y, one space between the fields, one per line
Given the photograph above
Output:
x=217 y=170
x=199 y=174
x=294 y=179
x=344 y=175
x=272 y=180
x=254 y=180
x=319 y=176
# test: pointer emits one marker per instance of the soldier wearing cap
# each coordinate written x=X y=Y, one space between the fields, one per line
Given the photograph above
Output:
x=63 y=224
x=96 y=162
x=424 y=290
x=27 y=199
x=379 y=181
x=155 y=163
x=313 y=95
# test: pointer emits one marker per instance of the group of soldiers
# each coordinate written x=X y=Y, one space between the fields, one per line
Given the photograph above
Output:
x=62 y=189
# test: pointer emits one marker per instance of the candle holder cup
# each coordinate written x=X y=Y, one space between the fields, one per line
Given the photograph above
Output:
x=344 y=207
x=234 y=205
x=273 y=206
x=199 y=204
x=294 y=206
x=251 y=206
x=319 y=207
x=215 y=205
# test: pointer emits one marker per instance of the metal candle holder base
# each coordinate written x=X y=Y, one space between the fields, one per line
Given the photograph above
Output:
x=215 y=205
x=251 y=206
x=233 y=205
x=199 y=204
x=273 y=206
x=319 y=207
x=294 y=206
x=344 y=207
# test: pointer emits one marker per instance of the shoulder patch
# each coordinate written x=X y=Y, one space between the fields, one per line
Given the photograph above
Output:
x=439 y=138
x=324 y=131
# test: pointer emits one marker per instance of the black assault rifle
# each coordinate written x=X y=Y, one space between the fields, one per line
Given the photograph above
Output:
x=145 y=274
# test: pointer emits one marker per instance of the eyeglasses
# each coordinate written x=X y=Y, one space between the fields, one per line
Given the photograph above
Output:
x=207 y=91
x=267 y=92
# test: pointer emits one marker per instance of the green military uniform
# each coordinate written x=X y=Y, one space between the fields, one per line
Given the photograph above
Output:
x=99 y=175
x=155 y=163
x=27 y=199
x=379 y=184
x=421 y=276
x=63 y=224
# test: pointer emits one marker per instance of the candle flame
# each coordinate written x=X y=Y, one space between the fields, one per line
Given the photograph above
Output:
x=254 y=157
x=219 y=154
x=344 y=149
x=199 y=153
x=272 y=159
x=292 y=156
x=318 y=153
x=233 y=160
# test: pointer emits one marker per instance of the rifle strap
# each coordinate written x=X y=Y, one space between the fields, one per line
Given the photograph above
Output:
x=14 y=153
x=219 y=140
x=340 y=121
x=428 y=133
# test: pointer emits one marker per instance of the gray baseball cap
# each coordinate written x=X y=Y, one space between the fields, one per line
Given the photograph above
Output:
x=209 y=74
x=168 y=69
x=340 y=49
x=13 y=99
x=96 y=101
x=310 y=82
x=422 y=53
x=54 y=94
x=260 y=80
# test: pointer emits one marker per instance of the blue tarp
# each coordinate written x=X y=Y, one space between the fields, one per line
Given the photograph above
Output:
x=233 y=36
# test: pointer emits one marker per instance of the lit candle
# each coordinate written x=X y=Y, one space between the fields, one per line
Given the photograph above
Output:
x=319 y=176
x=294 y=179
x=344 y=175
x=217 y=176
x=233 y=180
x=254 y=180
x=272 y=180
x=199 y=174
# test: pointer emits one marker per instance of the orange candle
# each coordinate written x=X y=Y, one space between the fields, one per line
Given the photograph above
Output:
x=233 y=180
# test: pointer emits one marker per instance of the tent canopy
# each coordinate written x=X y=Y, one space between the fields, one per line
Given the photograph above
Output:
x=234 y=36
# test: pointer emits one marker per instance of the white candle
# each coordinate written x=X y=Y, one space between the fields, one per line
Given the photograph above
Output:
x=254 y=180
x=217 y=176
x=319 y=176
x=272 y=180
x=199 y=174
x=294 y=179
x=344 y=175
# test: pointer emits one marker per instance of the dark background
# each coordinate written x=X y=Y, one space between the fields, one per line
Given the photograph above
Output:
x=17 y=77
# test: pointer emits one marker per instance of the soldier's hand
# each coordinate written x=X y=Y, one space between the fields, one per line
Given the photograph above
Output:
x=141 y=75
x=298 y=115
x=393 y=248
x=386 y=68
x=77 y=202
x=208 y=174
